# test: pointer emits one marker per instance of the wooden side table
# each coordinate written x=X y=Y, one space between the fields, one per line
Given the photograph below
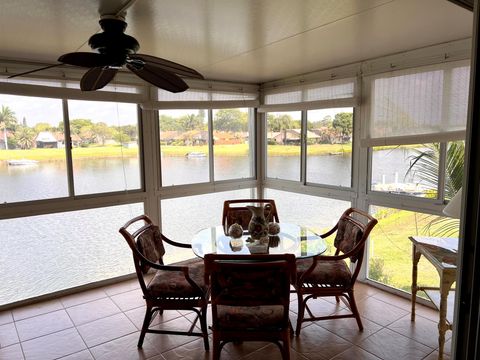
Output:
x=442 y=254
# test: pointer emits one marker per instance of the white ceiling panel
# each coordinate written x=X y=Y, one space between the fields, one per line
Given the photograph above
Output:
x=239 y=40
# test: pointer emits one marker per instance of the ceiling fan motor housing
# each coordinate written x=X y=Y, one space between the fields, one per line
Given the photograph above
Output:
x=112 y=42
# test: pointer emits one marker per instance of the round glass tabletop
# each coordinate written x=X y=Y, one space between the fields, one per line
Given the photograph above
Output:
x=292 y=239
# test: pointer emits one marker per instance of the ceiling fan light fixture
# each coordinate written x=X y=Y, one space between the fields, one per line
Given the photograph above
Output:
x=115 y=49
x=112 y=41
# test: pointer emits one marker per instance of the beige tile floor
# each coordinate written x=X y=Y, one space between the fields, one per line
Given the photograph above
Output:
x=104 y=324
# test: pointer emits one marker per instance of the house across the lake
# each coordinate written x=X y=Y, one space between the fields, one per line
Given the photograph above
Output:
x=45 y=139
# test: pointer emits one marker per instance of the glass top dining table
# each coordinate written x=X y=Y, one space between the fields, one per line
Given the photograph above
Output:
x=292 y=239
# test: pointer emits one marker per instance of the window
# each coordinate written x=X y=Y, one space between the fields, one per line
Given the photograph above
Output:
x=105 y=150
x=314 y=211
x=318 y=213
x=420 y=105
x=406 y=170
x=390 y=250
x=48 y=253
x=329 y=146
x=284 y=145
x=233 y=143
x=184 y=146
x=32 y=149
x=207 y=208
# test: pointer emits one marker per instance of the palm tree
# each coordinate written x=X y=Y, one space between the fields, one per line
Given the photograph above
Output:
x=425 y=165
x=25 y=137
x=7 y=120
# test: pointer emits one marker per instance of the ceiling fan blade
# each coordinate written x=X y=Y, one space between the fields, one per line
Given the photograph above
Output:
x=96 y=78
x=85 y=59
x=159 y=77
x=32 y=71
x=168 y=65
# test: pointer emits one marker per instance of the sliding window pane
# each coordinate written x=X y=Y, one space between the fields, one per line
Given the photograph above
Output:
x=329 y=146
x=105 y=146
x=207 y=210
x=184 y=146
x=32 y=149
x=318 y=213
x=454 y=168
x=407 y=169
x=48 y=253
x=390 y=250
x=284 y=145
x=233 y=136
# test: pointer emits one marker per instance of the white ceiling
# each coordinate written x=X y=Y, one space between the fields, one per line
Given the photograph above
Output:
x=238 y=40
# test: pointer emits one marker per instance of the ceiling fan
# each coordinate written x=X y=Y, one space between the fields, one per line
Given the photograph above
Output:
x=115 y=49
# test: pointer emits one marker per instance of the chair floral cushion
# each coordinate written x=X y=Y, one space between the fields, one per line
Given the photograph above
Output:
x=150 y=245
x=174 y=284
x=250 y=317
x=348 y=235
x=330 y=273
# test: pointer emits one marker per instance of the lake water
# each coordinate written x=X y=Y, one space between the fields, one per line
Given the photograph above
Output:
x=46 y=253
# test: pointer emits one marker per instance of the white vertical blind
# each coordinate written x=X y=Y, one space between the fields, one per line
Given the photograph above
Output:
x=417 y=105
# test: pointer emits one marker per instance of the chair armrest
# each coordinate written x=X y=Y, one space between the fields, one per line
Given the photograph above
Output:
x=318 y=258
x=330 y=232
x=174 y=243
x=174 y=268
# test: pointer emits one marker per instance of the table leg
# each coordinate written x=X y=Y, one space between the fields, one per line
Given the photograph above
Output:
x=415 y=259
x=445 y=285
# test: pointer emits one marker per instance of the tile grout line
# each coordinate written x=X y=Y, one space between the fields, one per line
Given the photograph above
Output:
x=18 y=336
x=78 y=332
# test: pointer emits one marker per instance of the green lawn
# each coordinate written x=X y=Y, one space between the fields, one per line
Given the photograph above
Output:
x=168 y=150
x=391 y=250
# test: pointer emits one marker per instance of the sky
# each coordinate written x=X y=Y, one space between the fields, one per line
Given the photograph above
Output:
x=35 y=110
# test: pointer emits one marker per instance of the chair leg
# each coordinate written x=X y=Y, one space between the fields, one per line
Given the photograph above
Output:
x=146 y=323
x=300 y=313
x=203 y=325
x=286 y=346
x=337 y=299
x=353 y=307
x=216 y=347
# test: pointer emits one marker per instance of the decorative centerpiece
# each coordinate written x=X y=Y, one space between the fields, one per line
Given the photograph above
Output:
x=258 y=247
x=236 y=244
x=257 y=227
x=273 y=228
x=273 y=241
x=235 y=231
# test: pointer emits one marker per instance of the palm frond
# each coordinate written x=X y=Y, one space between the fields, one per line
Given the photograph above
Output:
x=424 y=165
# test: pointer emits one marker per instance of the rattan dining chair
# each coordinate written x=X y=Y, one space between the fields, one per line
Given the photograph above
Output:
x=250 y=297
x=330 y=275
x=236 y=211
x=178 y=286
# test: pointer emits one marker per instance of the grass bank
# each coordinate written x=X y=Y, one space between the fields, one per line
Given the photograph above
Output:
x=169 y=150
x=392 y=250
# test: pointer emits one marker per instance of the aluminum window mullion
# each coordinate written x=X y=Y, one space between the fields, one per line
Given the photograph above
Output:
x=303 y=148
x=261 y=128
x=211 y=155
x=68 y=148
x=442 y=162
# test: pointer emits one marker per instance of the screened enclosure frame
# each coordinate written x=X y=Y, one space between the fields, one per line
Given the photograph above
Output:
x=359 y=194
